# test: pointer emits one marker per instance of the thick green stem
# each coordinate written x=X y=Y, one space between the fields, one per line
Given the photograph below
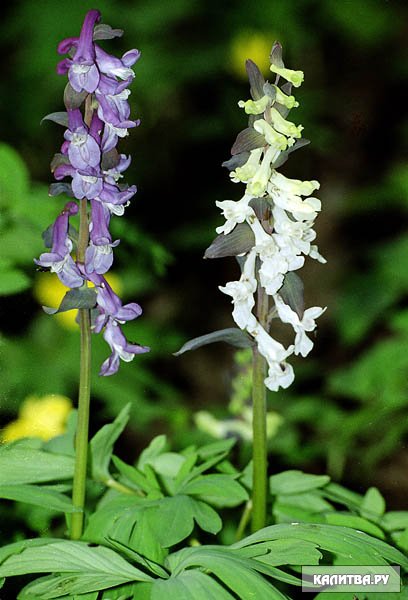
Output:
x=259 y=451
x=81 y=438
x=84 y=395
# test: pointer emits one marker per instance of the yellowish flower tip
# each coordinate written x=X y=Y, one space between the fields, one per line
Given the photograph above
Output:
x=49 y=291
x=249 y=44
x=43 y=417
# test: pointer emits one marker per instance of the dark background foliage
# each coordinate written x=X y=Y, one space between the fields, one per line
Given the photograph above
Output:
x=347 y=412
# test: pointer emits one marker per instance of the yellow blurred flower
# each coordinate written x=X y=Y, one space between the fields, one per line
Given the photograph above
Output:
x=44 y=417
x=255 y=45
x=49 y=291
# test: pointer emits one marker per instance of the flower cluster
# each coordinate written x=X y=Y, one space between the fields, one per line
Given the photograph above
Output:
x=276 y=214
x=88 y=156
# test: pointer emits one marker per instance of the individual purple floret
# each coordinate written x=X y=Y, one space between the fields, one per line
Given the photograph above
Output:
x=83 y=150
x=99 y=255
x=83 y=74
x=59 y=260
x=98 y=114
x=121 y=349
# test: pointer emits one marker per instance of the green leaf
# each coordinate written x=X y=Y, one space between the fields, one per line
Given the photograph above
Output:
x=206 y=517
x=347 y=543
x=394 y=520
x=236 y=573
x=132 y=475
x=214 y=448
x=295 y=482
x=19 y=464
x=189 y=585
x=177 y=513
x=38 y=496
x=239 y=241
x=128 y=520
x=284 y=552
x=350 y=520
x=337 y=493
x=167 y=464
x=101 y=445
x=233 y=336
x=219 y=490
x=88 y=568
x=74 y=299
x=157 y=446
x=373 y=505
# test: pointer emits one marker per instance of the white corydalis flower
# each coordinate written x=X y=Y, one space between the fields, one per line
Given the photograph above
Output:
x=281 y=219
x=242 y=293
x=303 y=344
x=280 y=373
x=234 y=212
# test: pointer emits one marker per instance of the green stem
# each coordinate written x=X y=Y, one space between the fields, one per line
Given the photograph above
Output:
x=81 y=438
x=246 y=515
x=259 y=448
x=84 y=395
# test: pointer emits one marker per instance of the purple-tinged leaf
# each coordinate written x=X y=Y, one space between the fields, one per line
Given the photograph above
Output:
x=110 y=159
x=287 y=88
x=58 y=160
x=269 y=90
x=292 y=292
x=283 y=156
x=74 y=299
x=60 y=187
x=256 y=79
x=262 y=208
x=47 y=236
x=238 y=160
x=276 y=55
x=240 y=240
x=72 y=98
x=105 y=32
x=61 y=118
x=247 y=140
x=233 y=336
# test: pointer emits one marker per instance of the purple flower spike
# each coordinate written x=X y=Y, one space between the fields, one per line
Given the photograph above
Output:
x=121 y=349
x=90 y=159
x=59 y=260
x=83 y=74
x=83 y=150
x=99 y=255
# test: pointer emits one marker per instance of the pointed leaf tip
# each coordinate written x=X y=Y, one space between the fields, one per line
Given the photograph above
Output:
x=233 y=336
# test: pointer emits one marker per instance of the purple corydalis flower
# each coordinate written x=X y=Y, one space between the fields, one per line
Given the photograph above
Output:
x=86 y=183
x=83 y=150
x=113 y=197
x=83 y=74
x=121 y=349
x=116 y=67
x=99 y=255
x=114 y=173
x=110 y=305
x=59 y=260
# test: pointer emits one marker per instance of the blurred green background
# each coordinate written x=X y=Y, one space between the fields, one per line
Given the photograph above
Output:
x=347 y=412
